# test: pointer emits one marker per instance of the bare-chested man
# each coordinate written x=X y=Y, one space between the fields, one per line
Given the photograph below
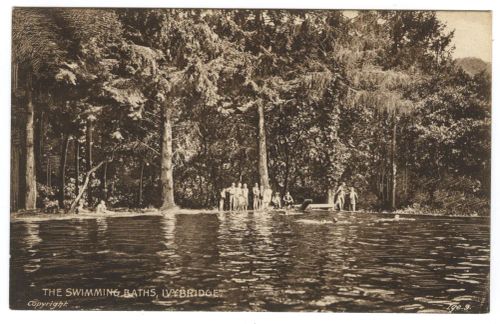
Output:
x=353 y=199
x=268 y=195
x=244 y=199
x=256 y=197
x=288 y=200
x=341 y=191
x=232 y=193
x=222 y=199
x=238 y=197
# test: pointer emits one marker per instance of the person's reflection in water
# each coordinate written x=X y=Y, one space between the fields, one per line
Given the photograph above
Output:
x=32 y=241
x=168 y=225
x=32 y=237
x=169 y=258
x=102 y=228
x=25 y=262
x=263 y=226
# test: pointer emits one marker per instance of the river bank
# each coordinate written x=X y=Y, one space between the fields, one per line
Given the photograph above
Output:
x=40 y=215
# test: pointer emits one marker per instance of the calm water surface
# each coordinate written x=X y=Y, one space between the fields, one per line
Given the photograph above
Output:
x=257 y=262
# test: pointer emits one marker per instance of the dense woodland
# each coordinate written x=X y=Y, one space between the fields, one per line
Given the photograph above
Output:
x=164 y=108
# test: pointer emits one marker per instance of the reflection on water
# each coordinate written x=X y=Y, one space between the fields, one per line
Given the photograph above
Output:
x=259 y=262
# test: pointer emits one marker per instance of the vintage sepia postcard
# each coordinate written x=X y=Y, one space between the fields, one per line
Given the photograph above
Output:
x=250 y=160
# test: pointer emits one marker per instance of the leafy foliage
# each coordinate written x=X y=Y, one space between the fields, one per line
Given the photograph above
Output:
x=345 y=100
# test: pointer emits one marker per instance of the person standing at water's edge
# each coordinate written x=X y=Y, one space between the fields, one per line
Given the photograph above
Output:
x=232 y=192
x=353 y=199
x=244 y=192
x=261 y=197
x=256 y=197
x=276 y=200
x=341 y=191
x=268 y=196
x=238 y=196
x=222 y=199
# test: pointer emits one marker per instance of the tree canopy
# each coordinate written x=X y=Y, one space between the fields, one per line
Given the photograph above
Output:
x=165 y=107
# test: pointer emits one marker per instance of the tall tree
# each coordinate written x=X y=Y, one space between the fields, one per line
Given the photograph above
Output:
x=263 y=173
x=35 y=52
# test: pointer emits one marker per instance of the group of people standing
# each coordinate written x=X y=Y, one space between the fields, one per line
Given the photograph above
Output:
x=344 y=195
x=237 y=198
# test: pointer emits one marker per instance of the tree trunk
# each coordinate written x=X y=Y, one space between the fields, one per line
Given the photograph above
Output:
x=287 y=168
x=105 y=181
x=263 y=173
x=62 y=169
x=77 y=166
x=15 y=74
x=89 y=155
x=141 y=180
x=39 y=143
x=15 y=177
x=30 y=194
x=166 y=178
x=406 y=181
x=393 y=164
x=48 y=172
